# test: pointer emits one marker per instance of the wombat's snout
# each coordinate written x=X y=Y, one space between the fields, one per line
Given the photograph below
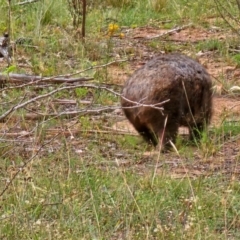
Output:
x=174 y=77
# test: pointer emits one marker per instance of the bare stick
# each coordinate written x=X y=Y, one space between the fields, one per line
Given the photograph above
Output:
x=34 y=100
x=96 y=67
x=225 y=10
x=170 y=32
x=24 y=165
x=67 y=133
x=26 y=2
x=36 y=116
x=224 y=18
x=238 y=3
x=95 y=111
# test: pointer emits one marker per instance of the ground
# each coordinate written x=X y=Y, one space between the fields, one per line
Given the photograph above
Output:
x=72 y=167
x=141 y=44
x=226 y=106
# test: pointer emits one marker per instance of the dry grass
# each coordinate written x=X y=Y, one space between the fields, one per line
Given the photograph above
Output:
x=73 y=176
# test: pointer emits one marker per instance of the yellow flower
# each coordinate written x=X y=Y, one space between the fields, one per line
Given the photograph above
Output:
x=112 y=27
x=121 y=35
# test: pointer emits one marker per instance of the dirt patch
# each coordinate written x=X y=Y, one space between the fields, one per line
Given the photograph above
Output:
x=225 y=109
x=194 y=35
x=189 y=34
x=118 y=75
x=221 y=158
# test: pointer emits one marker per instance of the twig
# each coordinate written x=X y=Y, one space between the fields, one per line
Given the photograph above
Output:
x=26 y=2
x=66 y=132
x=17 y=134
x=96 y=67
x=238 y=4
x=69 y=101
x=225 y=10
x=170 y=32
x=223 y=17
x=83 y=112
x=24 y=165
x=224 y=89
x=136 y=104
x=16 y=107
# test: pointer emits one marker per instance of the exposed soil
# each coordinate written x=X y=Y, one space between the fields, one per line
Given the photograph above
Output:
x=221 y=158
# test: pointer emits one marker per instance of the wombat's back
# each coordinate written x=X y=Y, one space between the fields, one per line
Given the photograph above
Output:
x=174 y=77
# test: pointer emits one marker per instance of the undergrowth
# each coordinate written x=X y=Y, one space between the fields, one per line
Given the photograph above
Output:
x=65 y=174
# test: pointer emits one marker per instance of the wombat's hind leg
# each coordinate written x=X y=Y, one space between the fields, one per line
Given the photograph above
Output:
x=195 y=132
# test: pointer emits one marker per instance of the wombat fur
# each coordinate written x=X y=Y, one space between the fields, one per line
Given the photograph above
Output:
x=174 y=77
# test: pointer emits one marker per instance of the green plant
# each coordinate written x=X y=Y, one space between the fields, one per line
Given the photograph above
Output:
x=120 y=3
x=236 y=59
x=158 y=5
x=211 y=45
x=81 y=92
x=77 y=177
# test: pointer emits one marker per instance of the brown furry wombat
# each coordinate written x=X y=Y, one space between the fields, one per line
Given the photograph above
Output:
x=174 y=77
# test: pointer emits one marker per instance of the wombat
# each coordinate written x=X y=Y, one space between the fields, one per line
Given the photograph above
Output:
x=185 y=87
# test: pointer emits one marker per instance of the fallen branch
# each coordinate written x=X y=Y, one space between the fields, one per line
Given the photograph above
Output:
x=19 y=78
x=31 y=79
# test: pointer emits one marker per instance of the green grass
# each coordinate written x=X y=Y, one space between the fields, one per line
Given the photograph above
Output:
x=72 y=199
x=85 y=181
x=236 y=59
x=211 y=45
